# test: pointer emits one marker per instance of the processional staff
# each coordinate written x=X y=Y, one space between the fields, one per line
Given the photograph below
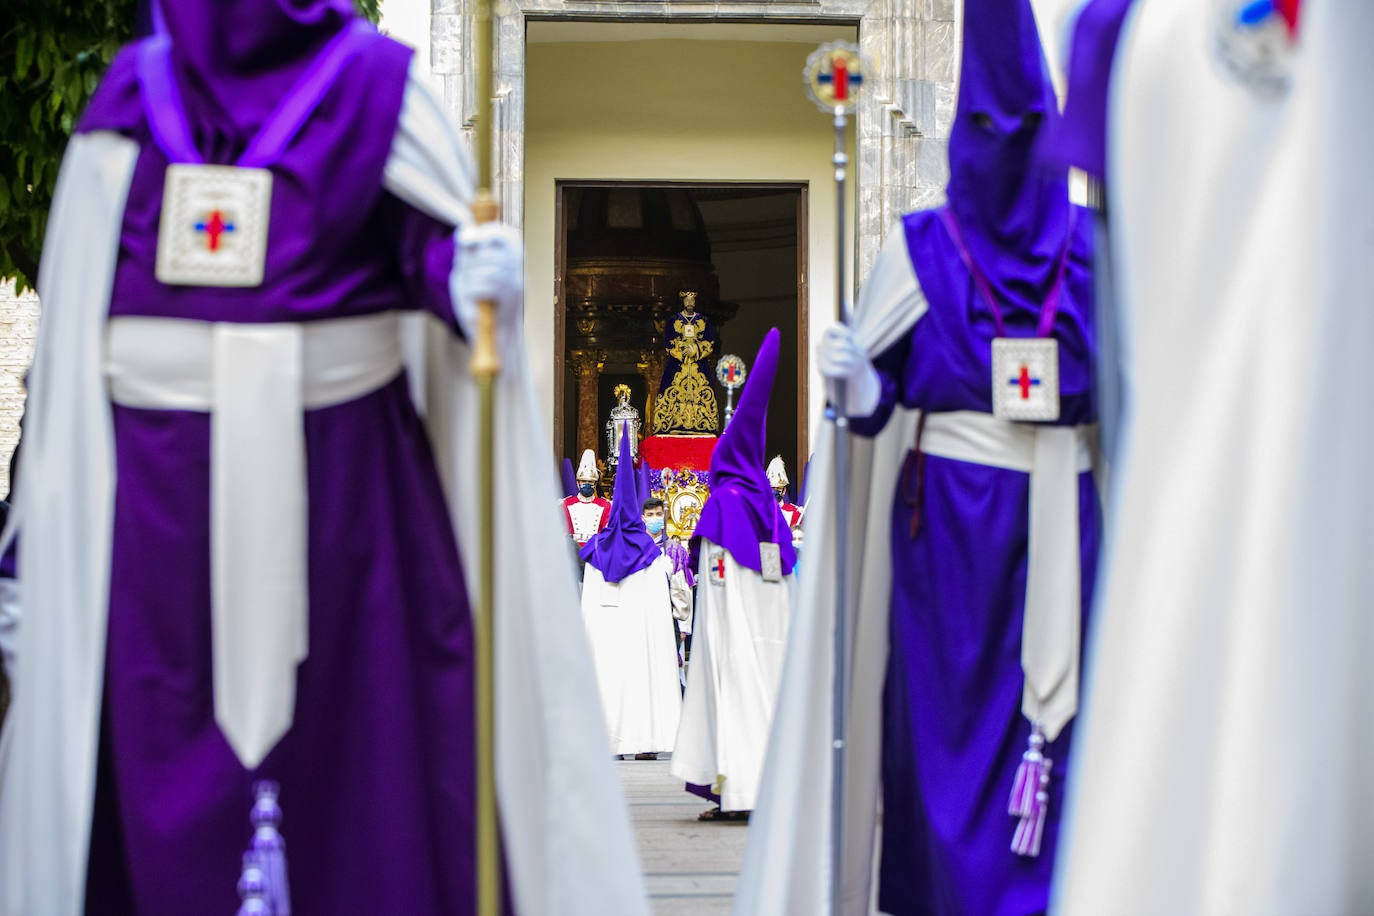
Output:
x=730 y=372
x=834 y=75
x=486 y=365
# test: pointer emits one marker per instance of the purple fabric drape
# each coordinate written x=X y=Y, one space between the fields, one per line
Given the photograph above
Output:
x=1079 y=136
x=646 y=488
x=569 y=478
x=235 y=58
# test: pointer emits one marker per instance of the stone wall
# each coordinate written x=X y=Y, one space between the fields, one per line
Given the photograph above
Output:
x=18 y=328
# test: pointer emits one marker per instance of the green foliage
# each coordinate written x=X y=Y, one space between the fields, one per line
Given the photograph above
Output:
x=52 y=55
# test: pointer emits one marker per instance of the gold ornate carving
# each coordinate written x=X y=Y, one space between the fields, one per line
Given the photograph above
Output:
x=650 y=366
x=684 y=494
x=689 y=403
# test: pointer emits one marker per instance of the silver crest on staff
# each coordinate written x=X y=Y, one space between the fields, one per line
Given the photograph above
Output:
x=834 y=76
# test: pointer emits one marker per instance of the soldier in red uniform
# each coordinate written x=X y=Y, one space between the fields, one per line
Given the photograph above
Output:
x=585 y=511
x=777 y=479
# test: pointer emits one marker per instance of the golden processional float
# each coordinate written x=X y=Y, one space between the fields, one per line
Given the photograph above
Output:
x=674 y=462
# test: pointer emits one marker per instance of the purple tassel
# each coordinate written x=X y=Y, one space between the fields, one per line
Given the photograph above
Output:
x=251 y=888
x=1031 y=828
x=1027 y=780
x=270 y=850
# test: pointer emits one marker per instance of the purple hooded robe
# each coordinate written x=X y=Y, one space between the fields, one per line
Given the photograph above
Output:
x=953 y=729
x=376 y=772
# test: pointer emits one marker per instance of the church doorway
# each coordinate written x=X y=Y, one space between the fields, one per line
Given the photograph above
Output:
x=626 y=251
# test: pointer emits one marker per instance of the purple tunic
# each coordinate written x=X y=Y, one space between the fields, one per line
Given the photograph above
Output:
x=953 y=731
x=377 y=770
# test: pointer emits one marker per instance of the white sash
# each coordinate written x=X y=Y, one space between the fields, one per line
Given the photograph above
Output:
x=255 y=380
x=1050 y=630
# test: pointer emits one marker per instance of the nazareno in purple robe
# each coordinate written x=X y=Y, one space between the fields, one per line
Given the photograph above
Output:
x=624 y=547
x=953 y=731
x=376 y=773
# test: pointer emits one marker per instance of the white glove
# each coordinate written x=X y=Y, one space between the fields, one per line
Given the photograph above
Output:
x=841 y=358
x=490 y=266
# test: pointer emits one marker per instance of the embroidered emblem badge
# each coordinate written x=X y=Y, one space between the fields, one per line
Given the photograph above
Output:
x=770 y=561
x=1025 y=378
x=213 y=230
x=1254 y=42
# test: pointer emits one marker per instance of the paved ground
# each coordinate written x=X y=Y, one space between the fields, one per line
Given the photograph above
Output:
x=690 y=866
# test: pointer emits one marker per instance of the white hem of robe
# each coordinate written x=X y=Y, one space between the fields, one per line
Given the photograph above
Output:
x=732 y=683
x=634 y=653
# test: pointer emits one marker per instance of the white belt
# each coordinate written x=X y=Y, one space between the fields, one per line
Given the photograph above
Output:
x=1053 y=456
x=255 y=380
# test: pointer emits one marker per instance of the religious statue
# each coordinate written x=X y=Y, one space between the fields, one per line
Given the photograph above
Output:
x=686 y=402
x=622 y=414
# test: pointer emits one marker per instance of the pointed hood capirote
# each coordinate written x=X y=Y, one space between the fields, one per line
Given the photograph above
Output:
x=624 y=546
x=742 y=512
x=1012 y=209
x=235 y=59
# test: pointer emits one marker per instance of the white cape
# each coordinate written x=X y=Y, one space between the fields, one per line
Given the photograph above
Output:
x=786 y=866
x=732 y=683
x=634 y=653
x=554 y=776
x=1224 y=759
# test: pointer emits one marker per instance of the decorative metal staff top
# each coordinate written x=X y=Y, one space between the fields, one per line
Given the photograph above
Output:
x=730 y=373
x=834 y=74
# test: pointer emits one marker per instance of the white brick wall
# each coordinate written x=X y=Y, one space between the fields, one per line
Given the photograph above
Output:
x=18 y=327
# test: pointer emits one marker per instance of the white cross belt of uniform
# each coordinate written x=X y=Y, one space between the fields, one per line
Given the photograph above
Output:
x=586 y=517
x=255 y=381
x=1053 y=456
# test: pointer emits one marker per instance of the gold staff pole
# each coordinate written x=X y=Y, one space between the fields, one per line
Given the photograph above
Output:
x=486 y=364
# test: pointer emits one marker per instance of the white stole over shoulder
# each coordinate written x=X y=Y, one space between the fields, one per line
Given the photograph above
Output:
x=554 y=776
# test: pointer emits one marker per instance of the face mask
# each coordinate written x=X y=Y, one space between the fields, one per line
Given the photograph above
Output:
x=655 y=525
x=586 y=489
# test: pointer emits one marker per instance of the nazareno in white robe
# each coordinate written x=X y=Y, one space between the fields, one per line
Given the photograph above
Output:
x=634 y=652
x=1225 y=757
x=739 y=638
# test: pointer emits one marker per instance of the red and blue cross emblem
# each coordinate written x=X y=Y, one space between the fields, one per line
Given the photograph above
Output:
x=1258 y=12
x=1025 y=381
x=214 y=226
x=834 y=75
x=838 y=77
